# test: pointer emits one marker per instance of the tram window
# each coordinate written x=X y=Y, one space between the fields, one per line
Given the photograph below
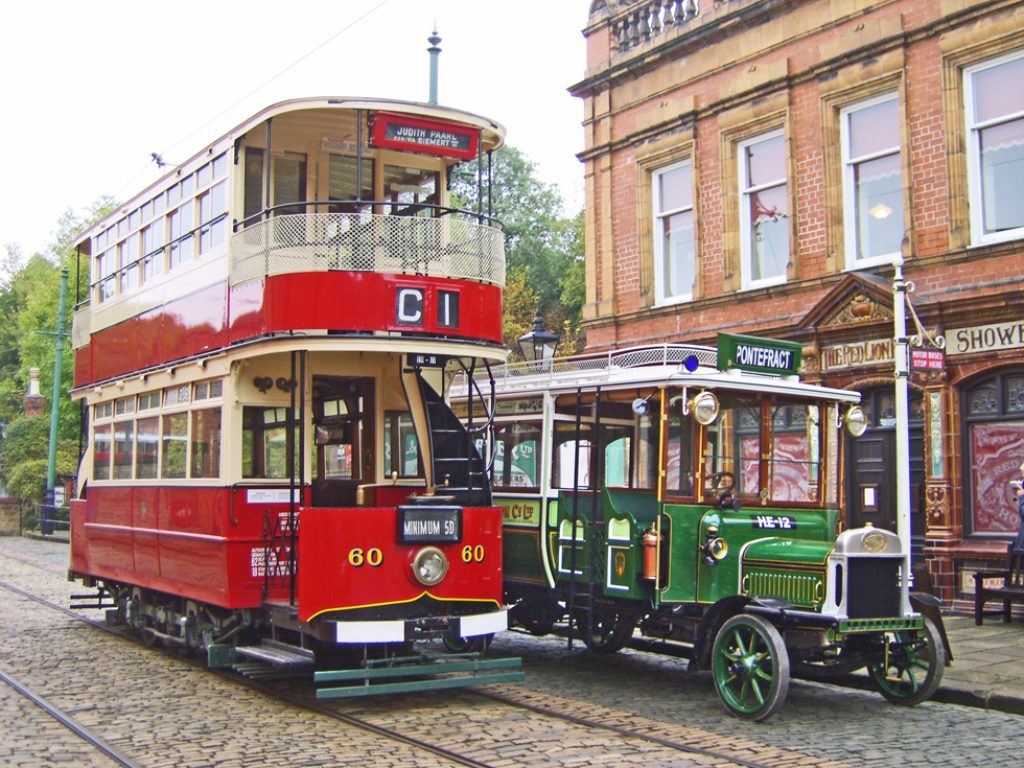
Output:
x=124 y=446
x=265 y=442
x=401 y=446
x=253 y=181
x=101 y=452
x=831 y=490
x=174 y=445
x=181 y=224
x=795 y=460
x=343 y=185
x=646 y=453
x=517 y=446
x=618 y=444
x=289 y=182
x=220 y=165
x=176 y=395
x=409 y=188
x=567 y=444
x=733 y=444
x=147 y=441
x=212 y=221
x=206 y=443
x=679 y=454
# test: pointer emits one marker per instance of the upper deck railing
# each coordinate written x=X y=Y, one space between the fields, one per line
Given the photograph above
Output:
x=453 y=245
x=600 y=364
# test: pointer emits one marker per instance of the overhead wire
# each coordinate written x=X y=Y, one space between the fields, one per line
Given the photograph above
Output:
x=130 y=184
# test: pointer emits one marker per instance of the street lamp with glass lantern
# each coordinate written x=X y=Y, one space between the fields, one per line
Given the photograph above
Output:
x=538 y=345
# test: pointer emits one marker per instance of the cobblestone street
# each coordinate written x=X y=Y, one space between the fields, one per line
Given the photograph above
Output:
x=164 y=711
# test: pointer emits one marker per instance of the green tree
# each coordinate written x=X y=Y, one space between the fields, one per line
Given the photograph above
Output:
x=29 y=299
x=543 y=247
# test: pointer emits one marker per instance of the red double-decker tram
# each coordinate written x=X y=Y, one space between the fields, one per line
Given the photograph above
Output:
x=272 y=470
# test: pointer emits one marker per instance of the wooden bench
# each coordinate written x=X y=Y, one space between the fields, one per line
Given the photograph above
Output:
x=1009 y=590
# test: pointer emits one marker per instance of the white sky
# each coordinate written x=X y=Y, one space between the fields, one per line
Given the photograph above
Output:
x=89 y=89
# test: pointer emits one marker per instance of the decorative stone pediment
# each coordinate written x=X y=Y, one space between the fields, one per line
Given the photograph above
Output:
x=855 y=300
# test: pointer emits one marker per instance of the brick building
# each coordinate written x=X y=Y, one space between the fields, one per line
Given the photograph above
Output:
x=757 y=166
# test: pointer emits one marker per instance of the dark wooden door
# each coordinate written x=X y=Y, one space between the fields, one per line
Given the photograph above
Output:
x=871 y=469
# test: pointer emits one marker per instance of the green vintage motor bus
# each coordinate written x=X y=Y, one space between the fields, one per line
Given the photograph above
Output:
x=694 y=494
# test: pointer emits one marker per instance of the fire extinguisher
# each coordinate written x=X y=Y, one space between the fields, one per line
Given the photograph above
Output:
x=650 y=543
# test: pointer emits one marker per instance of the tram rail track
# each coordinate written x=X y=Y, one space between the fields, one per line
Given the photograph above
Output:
x=85 y=734
x=540 y=705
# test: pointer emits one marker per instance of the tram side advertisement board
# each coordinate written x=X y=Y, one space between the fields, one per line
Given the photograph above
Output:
x=758 y=355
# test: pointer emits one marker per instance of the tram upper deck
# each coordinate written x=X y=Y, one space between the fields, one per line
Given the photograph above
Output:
x=321 y=216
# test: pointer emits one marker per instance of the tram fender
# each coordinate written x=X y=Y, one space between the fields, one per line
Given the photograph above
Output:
x=930 y=606
x=713 y=619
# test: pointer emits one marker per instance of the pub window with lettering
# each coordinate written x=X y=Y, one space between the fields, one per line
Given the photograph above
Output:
x=995 y=148
x=993 y=450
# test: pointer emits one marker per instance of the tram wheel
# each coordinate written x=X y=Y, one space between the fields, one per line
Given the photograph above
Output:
x=912 y=664
x=750 y=665
x=607 y=632
x=477 y=644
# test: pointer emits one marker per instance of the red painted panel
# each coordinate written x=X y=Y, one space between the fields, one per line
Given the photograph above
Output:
x=177 y=330
x=83 y=366
x=145 y=519
x=360 y=301
x=392 y=495
x=331 y=577
x=337 y=301
x=79 y=555
x=196 y=543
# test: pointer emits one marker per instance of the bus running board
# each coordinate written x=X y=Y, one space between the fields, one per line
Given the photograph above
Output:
x=419 y=673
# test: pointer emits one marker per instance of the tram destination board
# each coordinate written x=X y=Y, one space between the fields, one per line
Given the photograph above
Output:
x=429 y=524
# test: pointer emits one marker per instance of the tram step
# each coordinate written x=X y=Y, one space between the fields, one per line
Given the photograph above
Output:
x=277 y=654
x=422 y=674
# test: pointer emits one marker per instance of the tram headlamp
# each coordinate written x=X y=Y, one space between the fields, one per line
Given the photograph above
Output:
x=429 y=566
x=704 y=407
x=855 y=420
